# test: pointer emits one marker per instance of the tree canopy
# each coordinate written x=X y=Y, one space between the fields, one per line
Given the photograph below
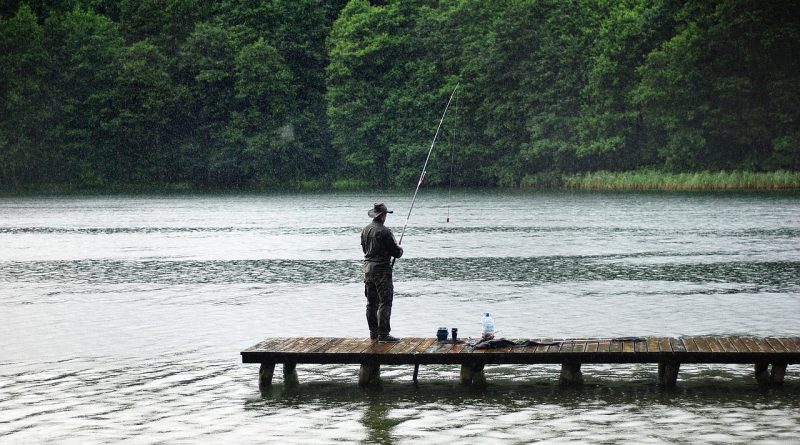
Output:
x=270 y=93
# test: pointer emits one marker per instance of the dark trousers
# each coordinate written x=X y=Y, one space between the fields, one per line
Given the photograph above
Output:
x=379 y=291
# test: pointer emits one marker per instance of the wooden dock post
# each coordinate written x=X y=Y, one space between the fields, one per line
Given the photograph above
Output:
x=265 y=373
x=290 y=374
x=762 y=373
x=570 y=374
x=472 y=374
x=369 y=374
x=668 y=373
x=770 y=374
x=777 y=374
x=466 y=374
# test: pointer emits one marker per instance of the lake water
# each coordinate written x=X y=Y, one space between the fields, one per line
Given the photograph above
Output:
x=122 y=317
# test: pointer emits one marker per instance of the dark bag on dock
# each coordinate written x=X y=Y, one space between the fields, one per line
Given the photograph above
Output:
x=498 y=343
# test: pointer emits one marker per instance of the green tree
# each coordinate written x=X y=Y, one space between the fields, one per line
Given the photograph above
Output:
x=721 y=92
x=239 y=93
x=364 y=48
x=85 y=48
x=457 y=38
x=207 y=65
x=612 y=136
x=40 y=8
x=25 y=105
x=164 y=23
x=300 y=38
x=149 y=119
x=297 y=30
x=531 y=67
x=384 y=95
x=259 y=135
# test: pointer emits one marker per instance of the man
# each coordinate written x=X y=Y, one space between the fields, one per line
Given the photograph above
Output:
x=379 y=247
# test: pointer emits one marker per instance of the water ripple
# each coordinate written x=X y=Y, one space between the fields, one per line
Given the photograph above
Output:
x=600 y=230
x=122 y=317
x=771 y=275
x=181 y=398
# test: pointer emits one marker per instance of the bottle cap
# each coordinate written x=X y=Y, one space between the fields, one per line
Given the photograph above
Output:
x=487 y=314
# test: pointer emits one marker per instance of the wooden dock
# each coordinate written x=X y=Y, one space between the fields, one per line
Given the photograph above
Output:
x=769 y=355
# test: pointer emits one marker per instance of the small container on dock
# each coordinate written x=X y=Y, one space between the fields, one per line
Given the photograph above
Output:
x=487 y=333
x=441 y=334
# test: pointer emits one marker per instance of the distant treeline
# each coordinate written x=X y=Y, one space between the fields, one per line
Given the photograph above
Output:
x=271 y=93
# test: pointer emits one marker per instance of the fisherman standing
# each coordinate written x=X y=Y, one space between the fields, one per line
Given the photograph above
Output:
x=379 y=246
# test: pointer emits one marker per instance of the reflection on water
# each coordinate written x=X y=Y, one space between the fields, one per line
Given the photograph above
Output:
x=189 y=397
x=724 y=405
x=122 y=318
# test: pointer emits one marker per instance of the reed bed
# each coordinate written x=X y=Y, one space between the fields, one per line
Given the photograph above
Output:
x=705 y=180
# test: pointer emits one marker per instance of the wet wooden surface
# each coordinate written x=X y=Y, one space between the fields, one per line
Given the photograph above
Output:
x=697 y=349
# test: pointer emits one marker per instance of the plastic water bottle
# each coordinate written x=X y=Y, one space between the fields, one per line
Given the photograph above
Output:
x=488 y=326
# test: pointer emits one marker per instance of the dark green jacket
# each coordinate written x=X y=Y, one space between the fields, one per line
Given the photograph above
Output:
x=379 y=246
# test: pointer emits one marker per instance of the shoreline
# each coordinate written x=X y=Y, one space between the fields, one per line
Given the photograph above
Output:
x=629 y=181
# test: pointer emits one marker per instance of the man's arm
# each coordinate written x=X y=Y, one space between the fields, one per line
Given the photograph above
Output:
x=392 y=247
x=363 y=241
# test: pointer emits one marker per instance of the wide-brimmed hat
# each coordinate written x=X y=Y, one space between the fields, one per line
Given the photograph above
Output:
x=378 y=209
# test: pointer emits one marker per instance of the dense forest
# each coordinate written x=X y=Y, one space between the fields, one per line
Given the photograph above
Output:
x=272 y=93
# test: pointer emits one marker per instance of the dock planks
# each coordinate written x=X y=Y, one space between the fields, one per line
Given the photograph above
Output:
x=770 y=355
x=699 y=349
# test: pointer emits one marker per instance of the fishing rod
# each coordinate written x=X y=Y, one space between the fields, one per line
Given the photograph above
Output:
x=424 y=166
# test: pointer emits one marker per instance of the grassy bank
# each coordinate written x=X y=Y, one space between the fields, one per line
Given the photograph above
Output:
x=602 y=180
x=658 y=180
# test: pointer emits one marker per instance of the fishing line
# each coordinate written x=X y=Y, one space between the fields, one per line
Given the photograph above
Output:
x=424 y=166
x=452 y=145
